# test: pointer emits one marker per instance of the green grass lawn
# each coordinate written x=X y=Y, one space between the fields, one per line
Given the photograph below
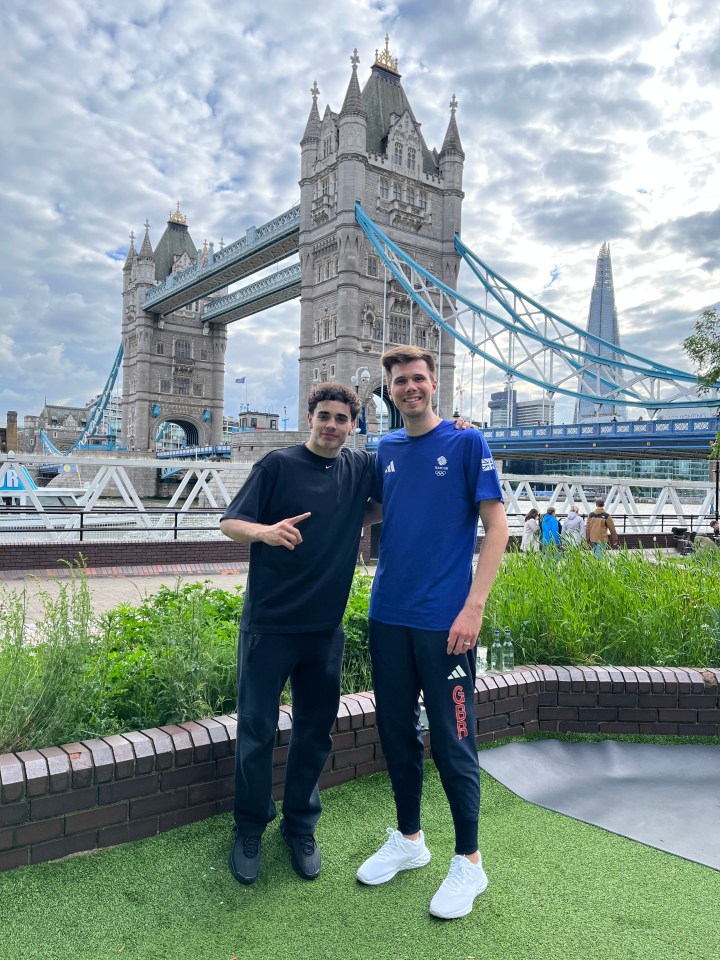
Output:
x=559 y=890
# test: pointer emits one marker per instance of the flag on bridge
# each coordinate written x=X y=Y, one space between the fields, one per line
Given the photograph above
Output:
x=240 y=380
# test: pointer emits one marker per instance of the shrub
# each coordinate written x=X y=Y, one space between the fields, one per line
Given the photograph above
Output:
x=172 y=658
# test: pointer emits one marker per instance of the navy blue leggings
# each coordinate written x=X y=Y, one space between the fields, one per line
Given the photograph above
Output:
x=405 y=661
x=312 y=662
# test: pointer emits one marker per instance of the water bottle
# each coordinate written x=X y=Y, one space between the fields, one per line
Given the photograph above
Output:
x=496 y=652
x=508 y=652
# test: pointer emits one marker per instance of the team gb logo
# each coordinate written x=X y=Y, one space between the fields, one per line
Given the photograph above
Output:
x=441 y=467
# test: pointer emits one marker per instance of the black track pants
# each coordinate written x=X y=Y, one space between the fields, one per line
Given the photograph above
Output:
x=405 y=661
x=312 y=661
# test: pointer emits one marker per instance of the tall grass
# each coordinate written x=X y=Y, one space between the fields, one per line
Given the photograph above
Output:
x=73 y=675
x=43 y=666
x=623 y=609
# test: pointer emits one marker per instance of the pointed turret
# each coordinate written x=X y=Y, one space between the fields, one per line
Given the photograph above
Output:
x=451 y=144
x=353 y=103
x=352 y=142
x=132 y=252
x=311 y=138
x=146 y=249
x=452 y=159
x=312 y=127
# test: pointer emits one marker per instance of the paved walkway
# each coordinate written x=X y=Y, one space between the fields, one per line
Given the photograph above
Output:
x=111 y=586
x=115 y=585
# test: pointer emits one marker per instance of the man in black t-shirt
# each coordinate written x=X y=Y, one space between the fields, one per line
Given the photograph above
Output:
x=301 y=510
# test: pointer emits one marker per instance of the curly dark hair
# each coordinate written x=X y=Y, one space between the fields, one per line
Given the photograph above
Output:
x=334 y=391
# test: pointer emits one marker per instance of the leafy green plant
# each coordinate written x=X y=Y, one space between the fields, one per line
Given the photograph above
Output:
x=356 y=673
x=173 y=657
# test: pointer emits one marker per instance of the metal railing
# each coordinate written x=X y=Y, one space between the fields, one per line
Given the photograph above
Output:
x=202 y=523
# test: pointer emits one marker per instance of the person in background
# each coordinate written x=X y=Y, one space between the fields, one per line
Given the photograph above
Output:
x=550 y=537
x=573 y=531
x=709 y=540
x=530 y=539
x=600 y=529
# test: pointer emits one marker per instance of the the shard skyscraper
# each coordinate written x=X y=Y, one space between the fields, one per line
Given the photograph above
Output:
x=603 y=323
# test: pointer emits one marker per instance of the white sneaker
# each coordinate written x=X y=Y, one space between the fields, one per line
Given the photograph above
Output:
x=394 y=855
x=464 y=882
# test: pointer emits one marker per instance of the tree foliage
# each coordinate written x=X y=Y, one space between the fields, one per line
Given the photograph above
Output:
x=703 y=348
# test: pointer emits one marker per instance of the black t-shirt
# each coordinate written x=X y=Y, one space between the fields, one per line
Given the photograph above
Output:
x=305 y=589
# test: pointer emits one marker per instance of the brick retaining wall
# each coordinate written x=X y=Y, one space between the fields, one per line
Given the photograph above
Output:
x=85 y=796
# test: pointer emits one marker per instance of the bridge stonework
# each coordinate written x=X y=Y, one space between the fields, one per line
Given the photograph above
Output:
x=372 y=151
x=173 y=366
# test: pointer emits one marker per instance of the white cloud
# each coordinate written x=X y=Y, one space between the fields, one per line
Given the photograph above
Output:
x=581 y=123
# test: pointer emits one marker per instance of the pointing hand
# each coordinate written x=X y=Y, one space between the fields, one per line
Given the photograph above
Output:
x=284 y=533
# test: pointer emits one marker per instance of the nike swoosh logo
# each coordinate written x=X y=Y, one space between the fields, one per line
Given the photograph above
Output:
x=329 y=467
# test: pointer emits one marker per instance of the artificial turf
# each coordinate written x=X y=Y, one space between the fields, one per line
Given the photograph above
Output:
x=559 y=890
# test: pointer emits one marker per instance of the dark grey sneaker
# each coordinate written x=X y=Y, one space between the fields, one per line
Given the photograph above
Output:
x=244 y=859
x=304 y=853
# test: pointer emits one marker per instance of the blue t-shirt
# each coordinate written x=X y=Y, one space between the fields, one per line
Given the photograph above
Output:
x=432 y=486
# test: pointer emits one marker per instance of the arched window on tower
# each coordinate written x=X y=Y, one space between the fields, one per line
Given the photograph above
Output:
x=398 y=154
x=397 y=191
x=411 y=154
x=183 y=349
x=384 y=189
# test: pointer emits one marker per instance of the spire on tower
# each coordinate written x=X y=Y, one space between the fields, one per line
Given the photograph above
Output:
x=132 y=252
x=353 y=98
x=312 y=127
x=451 y=143
x=146 y=249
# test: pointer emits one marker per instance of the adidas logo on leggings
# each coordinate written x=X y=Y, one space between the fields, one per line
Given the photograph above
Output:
x=457 y=674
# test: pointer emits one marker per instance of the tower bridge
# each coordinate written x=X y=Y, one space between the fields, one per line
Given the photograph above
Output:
x=377 y=239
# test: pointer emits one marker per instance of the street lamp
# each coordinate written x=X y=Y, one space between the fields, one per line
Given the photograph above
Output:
x=362 y=376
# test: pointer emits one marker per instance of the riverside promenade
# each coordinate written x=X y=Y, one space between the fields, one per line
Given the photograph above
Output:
x=111 y=586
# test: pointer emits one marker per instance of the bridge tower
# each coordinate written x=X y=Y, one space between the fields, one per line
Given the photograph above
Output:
x=373 y=151
x=173 y=366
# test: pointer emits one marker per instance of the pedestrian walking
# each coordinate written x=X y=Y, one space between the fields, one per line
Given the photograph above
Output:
x=600 y=529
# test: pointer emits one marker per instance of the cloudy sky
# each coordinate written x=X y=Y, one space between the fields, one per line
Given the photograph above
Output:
x=582 y=121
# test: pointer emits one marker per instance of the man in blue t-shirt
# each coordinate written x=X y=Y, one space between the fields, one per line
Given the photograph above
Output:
x=425 y=616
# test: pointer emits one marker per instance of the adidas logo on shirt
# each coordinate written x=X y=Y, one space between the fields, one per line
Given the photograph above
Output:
x=457 y=674
x=390 y=468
